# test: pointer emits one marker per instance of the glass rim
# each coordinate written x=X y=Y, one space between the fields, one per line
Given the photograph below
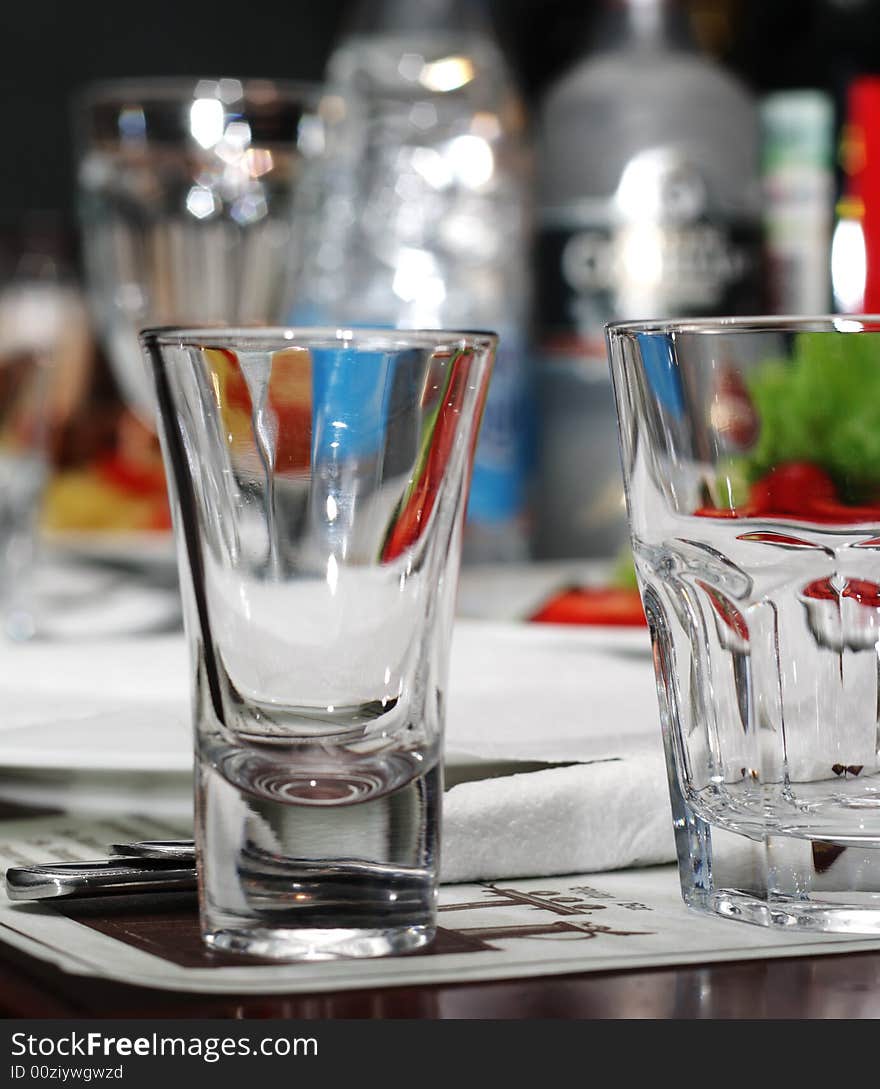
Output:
x=760 y=323
x=306 y=336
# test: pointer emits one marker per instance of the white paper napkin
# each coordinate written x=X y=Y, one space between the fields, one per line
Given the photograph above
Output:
x=521 y=692
x=607 y=815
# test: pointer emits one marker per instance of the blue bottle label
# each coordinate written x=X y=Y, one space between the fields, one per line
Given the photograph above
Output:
x=503 y=457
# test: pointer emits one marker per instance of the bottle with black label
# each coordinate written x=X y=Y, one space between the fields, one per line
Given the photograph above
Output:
x=649 y=208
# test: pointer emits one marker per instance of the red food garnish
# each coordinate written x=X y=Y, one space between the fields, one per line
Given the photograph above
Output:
x=795 y=490
x=726 y=611
x=832 y=512
x=413 y=517
x=862 y=591
x=610 y=606
x=820 y=590
x=294 y=441
x=132 y=477
x=722 y=512
x=161 y=518
x=235 y=389
x=792 y=488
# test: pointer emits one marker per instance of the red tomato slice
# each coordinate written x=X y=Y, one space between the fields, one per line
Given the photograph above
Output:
x=605 y=605
x=131 y=477
x=797 y=490
x=792 y=488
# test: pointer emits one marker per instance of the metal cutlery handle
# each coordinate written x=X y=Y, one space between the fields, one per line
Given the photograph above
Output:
x=183 y=850
x=103 y=877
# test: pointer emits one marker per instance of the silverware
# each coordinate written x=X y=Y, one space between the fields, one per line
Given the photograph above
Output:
x=182 y=850
x=102 y=877
x=148 y=866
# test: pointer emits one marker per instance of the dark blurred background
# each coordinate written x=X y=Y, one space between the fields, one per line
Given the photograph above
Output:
x=109 y=463
x=54 y=47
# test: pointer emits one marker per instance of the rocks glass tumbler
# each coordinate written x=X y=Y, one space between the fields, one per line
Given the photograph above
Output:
x=751 y=456
x=319 y=482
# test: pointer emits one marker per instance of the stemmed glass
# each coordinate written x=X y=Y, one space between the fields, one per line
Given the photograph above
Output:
x=185 y=189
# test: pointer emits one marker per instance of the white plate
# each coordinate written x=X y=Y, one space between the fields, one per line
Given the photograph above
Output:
x=516 y=692
x=147 y=549
x=89 y=601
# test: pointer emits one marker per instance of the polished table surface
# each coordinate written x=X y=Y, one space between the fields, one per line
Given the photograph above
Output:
x=831 y=986
x=820 y=987
x=827 y=986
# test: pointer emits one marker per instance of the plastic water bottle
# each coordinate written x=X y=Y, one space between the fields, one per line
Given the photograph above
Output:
x=648 y=208
x=415 y=213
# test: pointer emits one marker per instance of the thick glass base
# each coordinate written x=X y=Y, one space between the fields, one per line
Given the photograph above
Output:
x=791 y=882
x=795 y=915
x=316 y=881
x=284 y=943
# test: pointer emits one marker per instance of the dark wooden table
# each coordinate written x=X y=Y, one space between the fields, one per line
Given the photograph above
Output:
x=838 y=986
x=828 y=986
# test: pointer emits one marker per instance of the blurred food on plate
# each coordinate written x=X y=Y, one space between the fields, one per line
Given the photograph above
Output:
x=615 y=603
x=106 y=467
x=119 y=487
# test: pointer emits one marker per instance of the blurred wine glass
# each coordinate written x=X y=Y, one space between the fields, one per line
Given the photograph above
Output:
x=185 y=189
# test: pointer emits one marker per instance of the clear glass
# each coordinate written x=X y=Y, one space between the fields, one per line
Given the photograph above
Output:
x=751 y=455
x=24 y=378
x=319 y=480
x=185 y=189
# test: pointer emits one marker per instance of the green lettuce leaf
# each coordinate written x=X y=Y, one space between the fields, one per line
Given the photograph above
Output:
x=822 y=406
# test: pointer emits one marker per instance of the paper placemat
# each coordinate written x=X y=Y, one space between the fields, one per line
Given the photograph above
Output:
x=499 y=930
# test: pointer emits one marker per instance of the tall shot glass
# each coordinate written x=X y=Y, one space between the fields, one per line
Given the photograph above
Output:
x=320 y=481
x=751 y=457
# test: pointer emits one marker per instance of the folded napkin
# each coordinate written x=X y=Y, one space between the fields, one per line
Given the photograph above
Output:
x=582 y=819
x=520 y=696
x=535 y=693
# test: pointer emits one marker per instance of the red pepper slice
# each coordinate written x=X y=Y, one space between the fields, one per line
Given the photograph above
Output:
x=610 y=606
x=437 y=446
x=799 y=491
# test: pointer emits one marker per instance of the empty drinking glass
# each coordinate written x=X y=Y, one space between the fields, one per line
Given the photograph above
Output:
x=320 y=481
